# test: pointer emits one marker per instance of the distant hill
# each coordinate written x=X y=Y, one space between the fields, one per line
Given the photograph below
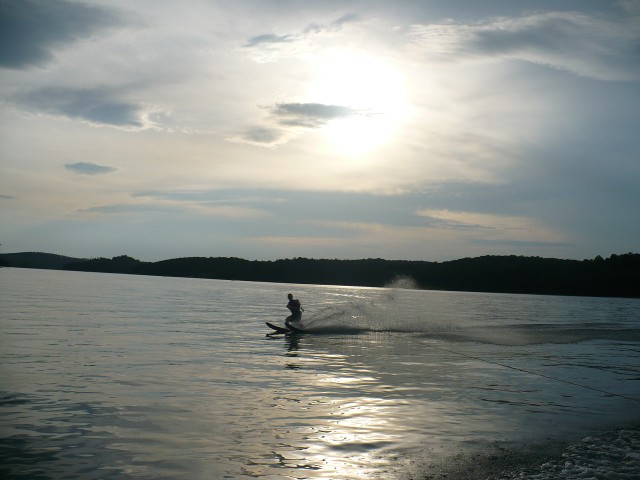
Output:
x=37 y=260
x=616 y=276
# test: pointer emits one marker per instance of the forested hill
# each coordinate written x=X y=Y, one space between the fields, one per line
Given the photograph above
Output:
x=36 y=260
x=618 y=275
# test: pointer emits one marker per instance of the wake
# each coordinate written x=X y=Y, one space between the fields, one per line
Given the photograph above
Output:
x=395 y=310
x=457 y=319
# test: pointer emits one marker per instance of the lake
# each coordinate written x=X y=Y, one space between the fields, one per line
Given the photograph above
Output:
x=113 y=376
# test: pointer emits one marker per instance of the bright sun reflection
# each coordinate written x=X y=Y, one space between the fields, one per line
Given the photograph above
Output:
x=372 y=89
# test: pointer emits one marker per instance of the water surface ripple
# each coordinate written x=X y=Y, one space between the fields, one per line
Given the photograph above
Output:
x=113 y=376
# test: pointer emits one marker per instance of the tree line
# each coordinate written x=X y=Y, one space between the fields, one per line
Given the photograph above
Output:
x=617 y=276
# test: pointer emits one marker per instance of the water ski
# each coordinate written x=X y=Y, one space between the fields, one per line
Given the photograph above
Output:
x=278 y=329
x=288 y=329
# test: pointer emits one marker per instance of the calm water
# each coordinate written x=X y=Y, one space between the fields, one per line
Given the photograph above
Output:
x=112 y=376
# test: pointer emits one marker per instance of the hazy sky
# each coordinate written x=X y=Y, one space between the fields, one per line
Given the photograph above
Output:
x=265 y=129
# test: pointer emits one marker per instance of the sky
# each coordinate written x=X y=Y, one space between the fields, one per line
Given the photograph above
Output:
x=265 y=129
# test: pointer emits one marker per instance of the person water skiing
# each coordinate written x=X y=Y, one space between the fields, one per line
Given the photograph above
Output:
x=296 y=310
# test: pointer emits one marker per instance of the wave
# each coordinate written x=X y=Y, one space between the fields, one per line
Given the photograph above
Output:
x=610 y=454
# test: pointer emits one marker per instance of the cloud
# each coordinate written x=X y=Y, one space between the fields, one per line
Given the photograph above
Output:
x=211 y=196
x=310 y=115
x=345 y=19
x=333 y=26
x=450 y=224
x=590 y=46
x=312 y=28
x=471 y=220
x=88 y=168
x=180 y=208
x=498 y=230
x=270 y=47
x=7 y=197
x=210 y=203
x=290 y=116
x=31 y=30
x=505 y=242
x=632 y=7
x=124 y=208
x=98 y=106
x=268 y=38
x=260 y=136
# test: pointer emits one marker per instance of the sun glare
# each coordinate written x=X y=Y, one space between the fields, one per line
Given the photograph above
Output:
x=373 y=91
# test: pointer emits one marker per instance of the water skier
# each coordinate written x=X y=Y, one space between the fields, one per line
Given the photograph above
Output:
x=296 y=310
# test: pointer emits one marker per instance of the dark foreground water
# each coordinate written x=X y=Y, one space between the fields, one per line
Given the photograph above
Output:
x=111 y=376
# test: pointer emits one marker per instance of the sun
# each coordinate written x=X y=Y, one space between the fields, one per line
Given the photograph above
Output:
x=374 y=93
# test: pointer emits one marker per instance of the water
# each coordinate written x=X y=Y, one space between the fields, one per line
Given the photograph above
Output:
x=113 y=376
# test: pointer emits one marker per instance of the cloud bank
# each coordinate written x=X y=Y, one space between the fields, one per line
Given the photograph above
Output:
x=583 y=44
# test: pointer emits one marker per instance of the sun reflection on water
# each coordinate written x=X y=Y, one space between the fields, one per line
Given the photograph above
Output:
x=346 y=438
x=332 y=431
